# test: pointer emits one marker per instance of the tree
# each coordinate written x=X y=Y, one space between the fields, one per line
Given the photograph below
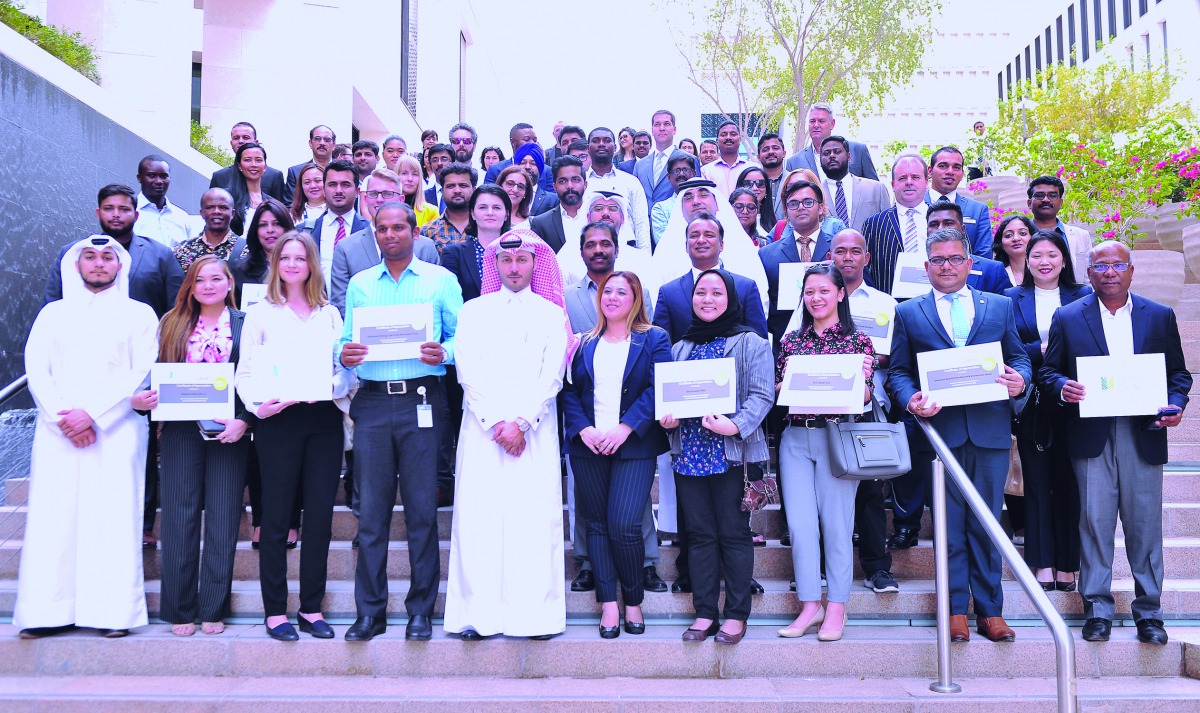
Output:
x=776 y=58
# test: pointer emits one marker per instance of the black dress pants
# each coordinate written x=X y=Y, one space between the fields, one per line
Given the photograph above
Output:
x=718 y=540
x=611 y=498
x=870 y=521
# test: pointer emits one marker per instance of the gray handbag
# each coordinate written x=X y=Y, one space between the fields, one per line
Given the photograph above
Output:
x=868 y=450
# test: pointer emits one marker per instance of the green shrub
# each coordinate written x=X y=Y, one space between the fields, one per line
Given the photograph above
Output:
x=203 y=143
x=70 y=47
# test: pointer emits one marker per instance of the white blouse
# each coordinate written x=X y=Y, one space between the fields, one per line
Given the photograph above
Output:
x=1045 y=302
x=609 y=367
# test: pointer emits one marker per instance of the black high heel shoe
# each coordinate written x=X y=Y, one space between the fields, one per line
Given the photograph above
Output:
x=1066 y=586
x=610 y=632
x=636 y=628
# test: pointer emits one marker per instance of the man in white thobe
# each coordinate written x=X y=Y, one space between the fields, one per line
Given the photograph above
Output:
x=87 y=354
x=506 y=542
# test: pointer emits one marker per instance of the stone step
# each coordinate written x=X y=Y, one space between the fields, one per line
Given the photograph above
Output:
x=878 y=651
x=318 y=694
x=915 y=601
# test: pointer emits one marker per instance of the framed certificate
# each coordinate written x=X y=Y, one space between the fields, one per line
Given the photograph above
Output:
x=791 y=285
x=877 y=323
x=965 y=375
x=252 y=292
x=1133 y=385
x=910 y=278
x=192 y=392
x=692 y=389
x=293 y=372
x=823 y=383
x=393 y=332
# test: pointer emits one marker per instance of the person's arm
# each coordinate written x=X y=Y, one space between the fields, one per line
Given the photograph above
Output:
x=983 y=229
x=903 y=381
x=868 y=165
x=53 y=290
x=110 y=402
x=658 y=221
x=173 y=280
x=1179 y=378
x=640 y=217
x=1053 y=375
x=339 y=279
x=754 y=369
x=755 y=316
x=640 y=414
x=450 y=304
x=575 y=418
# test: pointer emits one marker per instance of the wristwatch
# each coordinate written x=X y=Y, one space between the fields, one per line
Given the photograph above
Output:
x=523 y=424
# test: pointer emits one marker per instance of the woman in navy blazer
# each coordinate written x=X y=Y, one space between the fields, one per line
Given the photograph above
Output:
x=614 y=441
x=1051 y=493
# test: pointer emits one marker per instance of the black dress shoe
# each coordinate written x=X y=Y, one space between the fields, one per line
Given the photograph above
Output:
x=785 y=539
x=419 y=628
x=1066 y=586
x=1047 y=586
x=755 y=587
x=122 y=633
x=544 y=637
x=683 y=585
x=366 y=628
x=654 y=583
x=637 y=628
x=1097 y=629
x=470 y=634
x=610 y=632
x=904 y=538
x=319 y=629
x=1151 y=631
x=39 y=632
x=283 y=632
x=585 y=582
x=445 y=497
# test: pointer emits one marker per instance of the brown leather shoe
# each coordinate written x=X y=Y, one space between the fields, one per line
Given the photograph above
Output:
x=995 y=628
x=959 y=631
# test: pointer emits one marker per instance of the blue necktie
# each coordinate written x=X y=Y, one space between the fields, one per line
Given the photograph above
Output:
x=958 y=321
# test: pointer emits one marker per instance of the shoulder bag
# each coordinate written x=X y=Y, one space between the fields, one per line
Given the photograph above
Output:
x=868 y=450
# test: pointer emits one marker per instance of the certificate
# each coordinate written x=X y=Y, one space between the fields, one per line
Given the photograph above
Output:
x=393 y=332
x=965 y=375
x=192 y=392
x=823 y=383
x=692 y=389
x=1134 y=385
x=253 y=292
x=293 y=372
x=877 y=322
x=791 y=285
x=910 y=279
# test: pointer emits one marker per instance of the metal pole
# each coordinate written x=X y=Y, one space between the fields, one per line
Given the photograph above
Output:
x=945 y=682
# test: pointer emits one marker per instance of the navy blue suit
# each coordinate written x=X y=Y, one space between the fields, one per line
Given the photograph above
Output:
x=977 y=222
x=978 y=435
x=673 y=308
x=431 y=197
x=314 y=226
x=459 y=258
x=780 y=251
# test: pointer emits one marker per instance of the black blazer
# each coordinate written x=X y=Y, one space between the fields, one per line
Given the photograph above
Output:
x=459 y=258
x=548 y=227
x=637 y=396
x=1025 y=310
x=1077 y=331
x=273 y=182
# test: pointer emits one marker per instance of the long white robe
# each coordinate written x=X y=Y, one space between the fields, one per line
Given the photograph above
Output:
x=81 y=561
x=506 y=543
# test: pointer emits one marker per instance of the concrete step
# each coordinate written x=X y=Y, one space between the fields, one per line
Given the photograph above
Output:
x=914 y=602
x=878 y=651
x=319 y=694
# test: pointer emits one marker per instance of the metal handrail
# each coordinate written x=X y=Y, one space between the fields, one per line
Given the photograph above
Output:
x=14 y=388
x=1064 y=644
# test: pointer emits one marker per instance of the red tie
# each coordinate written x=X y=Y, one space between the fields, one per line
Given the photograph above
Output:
x=341 y=233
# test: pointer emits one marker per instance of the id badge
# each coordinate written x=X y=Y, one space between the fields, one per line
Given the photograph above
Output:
x=424 y=416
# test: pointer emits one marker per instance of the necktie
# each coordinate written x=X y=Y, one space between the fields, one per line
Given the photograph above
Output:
x=341 y=233
x=839 y=204
x=659 y=158
x=910 y=232
x=958 y=320
x=805 y=248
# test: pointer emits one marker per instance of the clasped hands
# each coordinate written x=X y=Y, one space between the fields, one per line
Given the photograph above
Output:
x=605 y=443
x=509 y=436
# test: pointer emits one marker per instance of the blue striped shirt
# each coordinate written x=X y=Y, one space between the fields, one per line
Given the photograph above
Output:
x=419 y=283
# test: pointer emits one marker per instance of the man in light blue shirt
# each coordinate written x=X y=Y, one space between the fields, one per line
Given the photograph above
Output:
x=400 y=416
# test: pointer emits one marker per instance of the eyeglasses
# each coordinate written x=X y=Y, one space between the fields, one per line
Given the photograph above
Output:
x=955 y=260
x=807 y=203
x=755 y=183
x=684 y=171
x=512 y=185
x=386 y=195
x=462 y=142
x=1103 y=267
x=1052 y=195
x=745 y=208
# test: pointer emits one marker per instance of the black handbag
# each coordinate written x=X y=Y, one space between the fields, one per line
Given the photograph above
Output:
x=868 y=450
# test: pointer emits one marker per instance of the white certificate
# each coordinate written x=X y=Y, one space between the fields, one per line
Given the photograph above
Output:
x=293 y=372
x=965 y=375
x=393 y=332
x=253 y=292
x=1134 y=385
x=791 y=285
x=192 y=392
x=877 y=322
x=910 y=278
x=823 y=383
x=692 y=389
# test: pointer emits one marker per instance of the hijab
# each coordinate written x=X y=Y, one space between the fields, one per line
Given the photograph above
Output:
x=732 y=320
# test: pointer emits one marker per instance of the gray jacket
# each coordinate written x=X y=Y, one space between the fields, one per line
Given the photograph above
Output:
x=755 y=394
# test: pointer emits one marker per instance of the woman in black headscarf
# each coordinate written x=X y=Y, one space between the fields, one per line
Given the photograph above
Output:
x=709 y=456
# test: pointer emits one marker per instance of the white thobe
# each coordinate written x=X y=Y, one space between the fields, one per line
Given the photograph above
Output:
x=506 y=543
x=81 y=561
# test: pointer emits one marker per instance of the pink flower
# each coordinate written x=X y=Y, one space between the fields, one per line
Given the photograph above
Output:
x=1110 y=234
x=1134 y=159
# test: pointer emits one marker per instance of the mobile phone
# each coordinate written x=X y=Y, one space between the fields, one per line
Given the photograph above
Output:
x=210 y=429
x=1172 y=410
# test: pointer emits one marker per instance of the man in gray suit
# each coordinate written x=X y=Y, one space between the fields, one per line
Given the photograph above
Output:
x=851 y=199
x=820 y=125
x=652 y=170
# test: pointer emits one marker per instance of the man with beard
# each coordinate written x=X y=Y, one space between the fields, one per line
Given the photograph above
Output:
x=216 y=208
x=603 y=176
x=463 y=139
x=612 y=208
x=366 y=157
x=820 y=125
x=340 y=220
x=569 y=183
x=159 y=218
x=945 y=175
x=457 y=181
x=438 y=156
x=681 y=167
x=724 y=171
x=770 y=155
x=321 y=141
x=1045 y=202
x=852 y=198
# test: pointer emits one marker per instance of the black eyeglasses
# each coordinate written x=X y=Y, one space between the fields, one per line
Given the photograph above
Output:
x=807 y=203
x=683 y=172
x=1052 y=195
x=386 y=195
x=1103 y=267
x=955 y=260
x=755 y=183
x=745 y=208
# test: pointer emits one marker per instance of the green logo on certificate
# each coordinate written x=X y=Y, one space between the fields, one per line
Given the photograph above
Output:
x=720 y=378
x=220 y=384
x=989 y=364
x=881 y=320
x=1106 y=383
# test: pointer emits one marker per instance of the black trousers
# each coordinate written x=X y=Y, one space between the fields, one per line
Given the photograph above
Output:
x=870 y=522
x=254 y=486
x=150 y=498
x=299 y=448
x=199 y=477
x=718 y=540
x=452 y=414
x=388 y=445
x=1051 y=502
x=611 y=498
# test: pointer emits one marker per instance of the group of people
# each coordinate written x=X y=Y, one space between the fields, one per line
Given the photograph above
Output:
x=553 y=285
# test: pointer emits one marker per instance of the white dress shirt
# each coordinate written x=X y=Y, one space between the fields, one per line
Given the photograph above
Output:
x=329 y=229
x=922 y=211
x=608 y=365
x=634 y=193
x=1044 y=304
x=847 y=191
x=1118 y=328
x=935 y=196
x=572 y=227
x=943 y=308
x=170 y=226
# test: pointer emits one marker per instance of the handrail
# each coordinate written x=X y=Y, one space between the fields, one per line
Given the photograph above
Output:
x=1064 y=644
x=14 y=388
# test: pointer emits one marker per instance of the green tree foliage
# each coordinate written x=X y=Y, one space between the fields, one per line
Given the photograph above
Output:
x=202 y=142
x=70 y=47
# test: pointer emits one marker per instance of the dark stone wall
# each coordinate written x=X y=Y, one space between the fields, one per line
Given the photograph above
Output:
x=55 y=153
